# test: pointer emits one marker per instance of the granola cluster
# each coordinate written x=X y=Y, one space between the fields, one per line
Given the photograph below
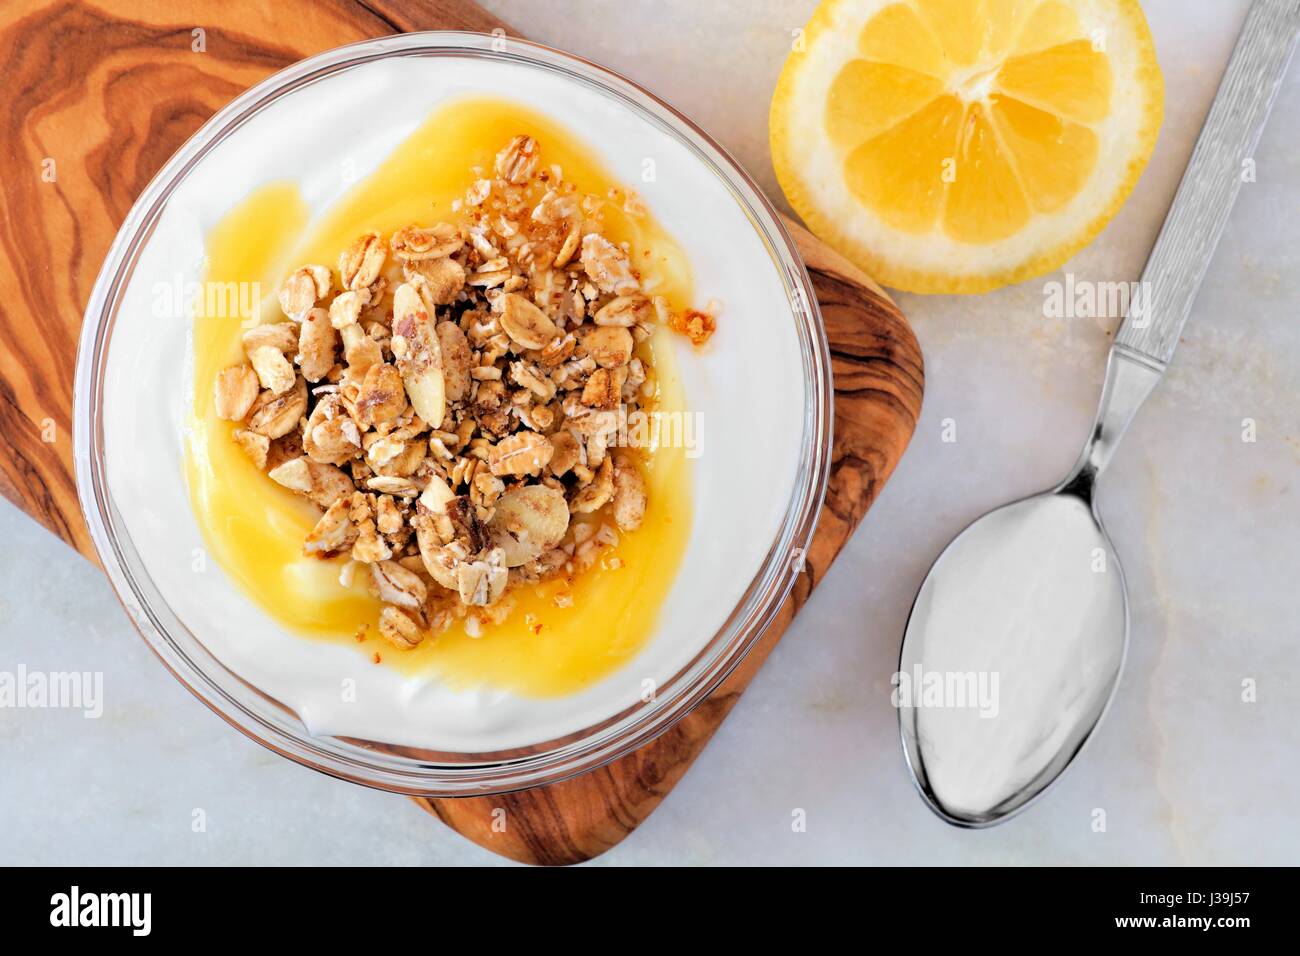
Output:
x=449 y=397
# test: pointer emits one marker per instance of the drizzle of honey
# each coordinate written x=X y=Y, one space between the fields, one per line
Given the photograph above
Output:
x=255 y=528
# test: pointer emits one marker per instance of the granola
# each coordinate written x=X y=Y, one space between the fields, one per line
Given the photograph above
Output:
x=448 y=398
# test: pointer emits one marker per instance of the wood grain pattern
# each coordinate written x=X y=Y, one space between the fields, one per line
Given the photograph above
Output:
x=100 y=94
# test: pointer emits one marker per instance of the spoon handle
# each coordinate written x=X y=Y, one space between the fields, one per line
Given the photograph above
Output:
x=1220 y=163
x=1129 y=380
x=1222 y=160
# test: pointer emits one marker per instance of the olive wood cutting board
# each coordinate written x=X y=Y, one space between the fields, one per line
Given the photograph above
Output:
x=99 y=95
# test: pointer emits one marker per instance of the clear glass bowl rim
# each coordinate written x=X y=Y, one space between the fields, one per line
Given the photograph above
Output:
x=403 y=770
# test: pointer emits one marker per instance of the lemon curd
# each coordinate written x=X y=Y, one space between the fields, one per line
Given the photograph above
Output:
x=254 y=528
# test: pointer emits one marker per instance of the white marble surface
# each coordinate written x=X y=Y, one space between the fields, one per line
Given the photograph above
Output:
x=1207 y=526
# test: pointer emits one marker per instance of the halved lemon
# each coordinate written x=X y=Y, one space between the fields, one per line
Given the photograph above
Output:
x=961 y=145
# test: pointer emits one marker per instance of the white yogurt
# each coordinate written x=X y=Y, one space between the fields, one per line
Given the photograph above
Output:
x=747 y=386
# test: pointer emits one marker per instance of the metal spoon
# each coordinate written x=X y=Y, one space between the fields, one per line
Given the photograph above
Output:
x=1014 y=646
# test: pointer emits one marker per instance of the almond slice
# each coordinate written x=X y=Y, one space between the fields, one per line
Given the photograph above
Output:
x=323 y=484
x=435 y=496
x=525 y=323
x=438 y=280
x=609 y=345
x=277 y=415
x=333 y=532
x=624 y=311
x=419 y=356
x=346 y=307
x=382 y=398
x=457 y=360
x=529 y=520
x=272 y=368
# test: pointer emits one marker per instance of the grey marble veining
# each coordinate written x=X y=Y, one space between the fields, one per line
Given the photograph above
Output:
x=1184 y=770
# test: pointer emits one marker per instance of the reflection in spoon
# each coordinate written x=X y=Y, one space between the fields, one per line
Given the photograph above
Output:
x=1017 y=637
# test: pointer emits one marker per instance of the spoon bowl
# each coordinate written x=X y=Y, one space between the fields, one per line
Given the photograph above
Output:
x=1027 y=608
x=1012 y=654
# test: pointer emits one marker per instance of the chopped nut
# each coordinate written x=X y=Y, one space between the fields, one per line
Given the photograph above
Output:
x=393 y=458
x=333 y=532
x=457 y=360
x=481 y=583
x=273 y=369
x=625 y=311
x=276 y=415
x=388 y=516
x=382 y=398
x=595 y=495
x=303 y=289
x=282 y=449
x=438 y=280
x=323 y=484
x=604 y=387
x=435 y=496
x=330 y=436
x=567 y=452
x=629 y=494
x=369 y=546
x=346 y=307
x=235 y=391
x=281 y=336
x=316 y=343
x=610 y=345
x=253 y=445
x=484 y=491
x=360 y=351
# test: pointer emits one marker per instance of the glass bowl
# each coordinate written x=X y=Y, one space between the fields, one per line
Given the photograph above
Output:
x=405 y=769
